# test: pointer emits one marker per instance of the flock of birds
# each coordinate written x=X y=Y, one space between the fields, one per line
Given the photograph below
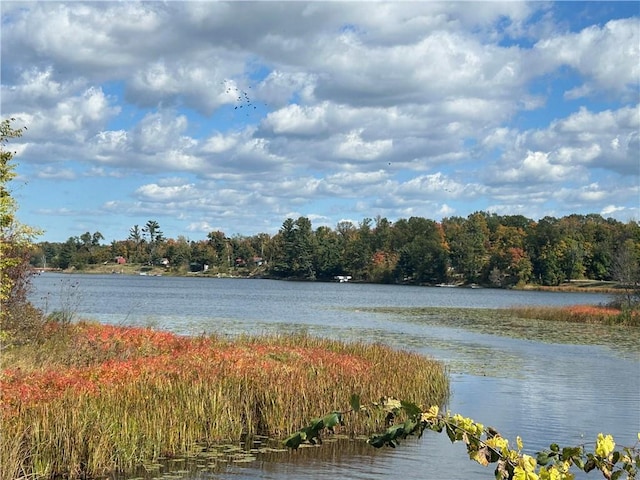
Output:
x=243 y=101
x=243 y=97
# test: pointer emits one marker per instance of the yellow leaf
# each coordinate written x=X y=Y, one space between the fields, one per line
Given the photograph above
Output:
x=520 y=473
x=497 y=443
x=430 y=414
x=519 y=442
x=604 y=445
x=551 y=474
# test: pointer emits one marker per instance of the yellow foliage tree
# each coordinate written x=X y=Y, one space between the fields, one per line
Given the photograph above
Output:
x=16 y=239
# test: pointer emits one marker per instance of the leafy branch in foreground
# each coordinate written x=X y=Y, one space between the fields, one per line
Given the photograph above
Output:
x=484 y=444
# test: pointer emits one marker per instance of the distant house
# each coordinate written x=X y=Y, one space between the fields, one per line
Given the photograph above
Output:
x=258 y=261
x=120 y=260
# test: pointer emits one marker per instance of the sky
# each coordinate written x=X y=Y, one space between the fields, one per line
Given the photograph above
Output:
x=208 y=116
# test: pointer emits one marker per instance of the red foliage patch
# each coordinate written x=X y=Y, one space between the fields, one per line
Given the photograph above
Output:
x=146 y=354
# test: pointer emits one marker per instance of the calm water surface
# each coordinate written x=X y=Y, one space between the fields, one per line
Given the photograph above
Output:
x=545 y=388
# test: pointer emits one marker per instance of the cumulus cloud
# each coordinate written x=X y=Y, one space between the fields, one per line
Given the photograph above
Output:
x=155 y=192
x=407 y=108
x=354 y=147
x=605 y=55
x=534 y=168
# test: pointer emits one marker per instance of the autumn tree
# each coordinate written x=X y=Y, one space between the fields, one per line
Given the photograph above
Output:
x=509 y=263
x=178 y=252
x=16 y=243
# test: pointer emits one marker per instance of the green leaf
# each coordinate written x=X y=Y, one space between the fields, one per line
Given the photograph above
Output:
x=331 y=420
x=568 y=453
x=293 y=441
x=615 y=457
x=409 y=426
x=616 y=475
x=542 y=458
x=396 y=431
x=354 y=401
x=554 y=447
x=317 y=424
x=411 y=408
x=376 y=441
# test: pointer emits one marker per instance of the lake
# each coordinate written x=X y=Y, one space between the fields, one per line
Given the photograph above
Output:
x=547 y=382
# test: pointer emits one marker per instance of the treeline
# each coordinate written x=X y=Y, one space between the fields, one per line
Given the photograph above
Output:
x=483 y=248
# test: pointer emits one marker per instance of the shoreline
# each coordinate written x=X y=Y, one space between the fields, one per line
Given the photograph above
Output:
x=582 y=285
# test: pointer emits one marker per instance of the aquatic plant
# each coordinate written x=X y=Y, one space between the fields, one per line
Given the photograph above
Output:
x=592 y=314
x=92 y=399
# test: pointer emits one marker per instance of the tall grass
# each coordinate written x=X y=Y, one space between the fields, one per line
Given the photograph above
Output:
x=579 y=314
x=94 y=399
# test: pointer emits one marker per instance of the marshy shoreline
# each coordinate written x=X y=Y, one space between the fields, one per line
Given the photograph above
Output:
x=86 y=400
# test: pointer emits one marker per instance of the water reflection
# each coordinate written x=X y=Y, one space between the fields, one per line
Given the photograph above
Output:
x=338 y=457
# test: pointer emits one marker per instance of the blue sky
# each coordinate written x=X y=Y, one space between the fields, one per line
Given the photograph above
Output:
x=234 y=116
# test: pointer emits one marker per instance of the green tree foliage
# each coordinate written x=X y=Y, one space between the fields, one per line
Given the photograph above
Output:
x=154 y=236
x=423 y=257
x=327 y=257
x=295 y=247
x=483 y=248
x=16 y=242
x=468 y=240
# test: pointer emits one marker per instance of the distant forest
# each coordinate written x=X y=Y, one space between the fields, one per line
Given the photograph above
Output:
x=483 y=248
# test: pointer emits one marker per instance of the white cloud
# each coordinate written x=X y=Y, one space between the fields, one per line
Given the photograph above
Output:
x=535 y=168
x=606 y=55
x=159 y=131
x=297 y=120
x=219 y=143
x=353 y=147
x=609 y=209
x=405 y=108
x=154 y=192
x=51 y=173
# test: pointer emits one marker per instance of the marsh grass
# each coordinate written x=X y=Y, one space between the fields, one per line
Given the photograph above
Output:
x=590 y=314
x=93 y=399
x=582 y=325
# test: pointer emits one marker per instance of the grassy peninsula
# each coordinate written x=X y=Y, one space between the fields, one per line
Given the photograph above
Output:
x=85 y=400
